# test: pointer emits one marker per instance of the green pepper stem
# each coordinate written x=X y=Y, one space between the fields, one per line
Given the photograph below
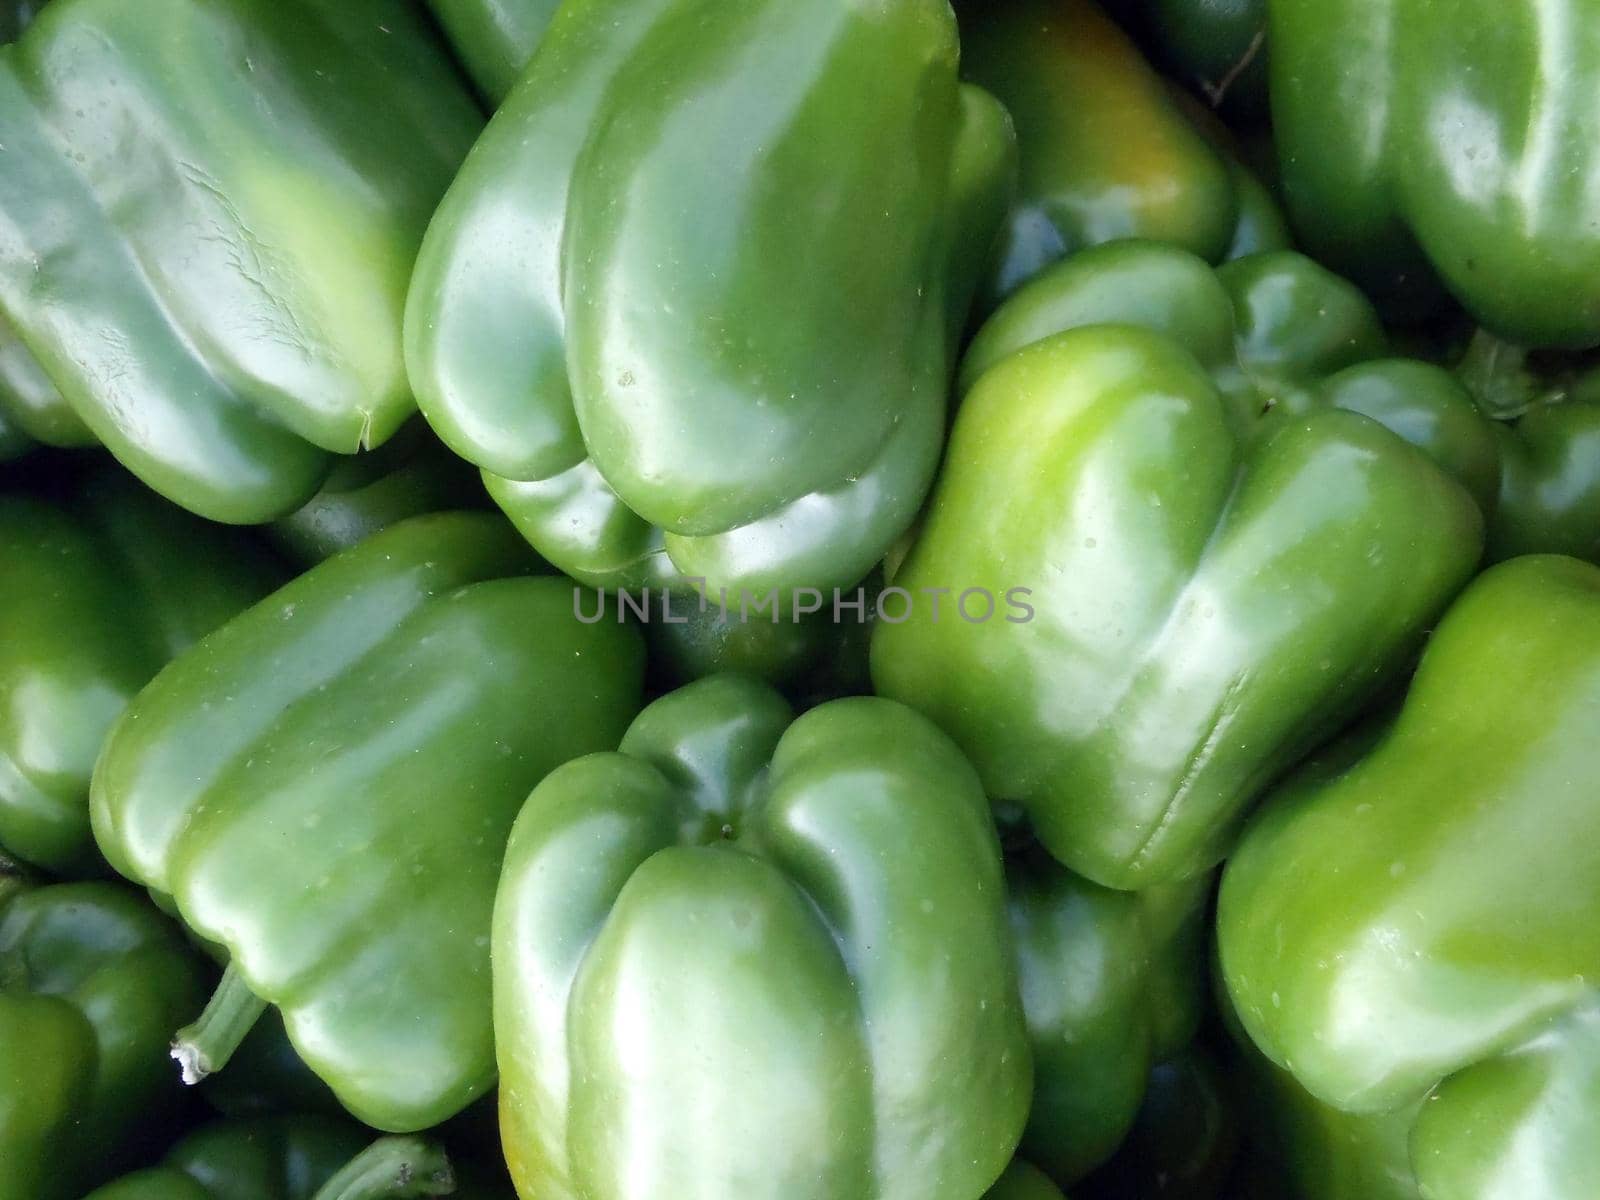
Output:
x=206 y=1046
x=390 y=1168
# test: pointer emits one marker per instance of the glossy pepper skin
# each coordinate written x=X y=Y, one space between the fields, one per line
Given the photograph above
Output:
x=1023 y=1182
x=1550 y=482
x=224 y=314
x=92 y=978
x=102 y=587
x=1184 y=1140
x=494 y=38
x=1225 y=557
x=324 y=786
x=1112 y=983
x=1216 y=47
x=712 y=979
x=1456 y=137
x=610 y=316
x=1441 y=873
x=409 y=475
x=1105 y=150
x=15 y=16
x=1547 y=423
x=290 y=1158
x=32 y=410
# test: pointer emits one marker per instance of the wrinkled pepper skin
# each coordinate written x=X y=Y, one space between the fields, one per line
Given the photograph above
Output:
x=1456 y=134
x=773 y=422
x=225 y=313
x=325 y=785
x=1441 y=875
x=1105 y=150
x=1225 y=557
x=92 y=978
x=409 y=475
x=100 y=591
x=1023 y=1182
x=494 y=38
x=711 y=979
x=1112 y=983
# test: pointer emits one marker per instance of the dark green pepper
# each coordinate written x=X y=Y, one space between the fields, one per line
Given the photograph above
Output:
x=1106 y=152
x=1183 y=1141
x=495 y=38
x=756 y=956
x=1023 y=1182
x=210 y=263
x=1112 y=983
x=1547 y=408
x=665 y=388
x=1217 y=47
x=100 y=591
x=1178 y=551
x=91 y=980
x=407 y=476
x=1450 y=136
x=325 y=785
x=1409 y=928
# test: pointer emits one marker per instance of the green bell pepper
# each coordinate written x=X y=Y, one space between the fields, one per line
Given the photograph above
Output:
x=1023 y=1182
x=289 y=1158
x=1106 y=151
x=494 y=38
x=1550 y=483
x=1217 y=47
x=1225 y=551
x=1112 y=983
x=667 y=388
x=1183 y=1141
x=210 y=263
x=92 y=979
x=325 y=785
x=99 y=592
x=407 y=476
x=1409 y=926
x=1456 y=137
x=1547 y=410
x=754 y=956
x=30 y=405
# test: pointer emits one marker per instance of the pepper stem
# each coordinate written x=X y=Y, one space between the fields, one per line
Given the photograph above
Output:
x=206 y=1046
x=391 y=1168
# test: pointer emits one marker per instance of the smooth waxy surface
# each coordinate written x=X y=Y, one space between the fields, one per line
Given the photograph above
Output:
x=1456 y=133
x=772 y=419
x=1550 y=483
x=92 y=979
x=494 y=38
x=1223 y=565
x=1111 y=985
x=713 y=976
x=1443 y=877
x=1023 y=1182
x=96 y=595
x=1105 y=152
x=325 y=787
x=210 y=262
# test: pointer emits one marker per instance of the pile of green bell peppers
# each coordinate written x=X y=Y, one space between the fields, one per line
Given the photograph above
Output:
x=799 y=600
